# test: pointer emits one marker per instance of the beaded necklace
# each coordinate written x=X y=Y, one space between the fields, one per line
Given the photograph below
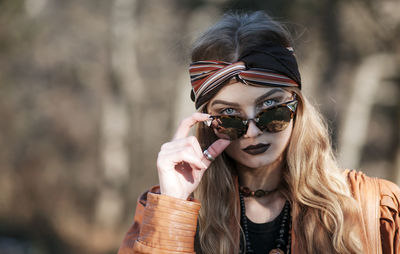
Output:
x=246 y=192
x=280 y=241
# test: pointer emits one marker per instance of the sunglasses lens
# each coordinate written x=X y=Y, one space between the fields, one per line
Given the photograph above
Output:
x=228 y=127
x=275 y=120
x=272 y=120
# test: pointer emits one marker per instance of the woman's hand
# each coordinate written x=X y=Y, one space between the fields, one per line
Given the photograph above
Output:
x=181 y=162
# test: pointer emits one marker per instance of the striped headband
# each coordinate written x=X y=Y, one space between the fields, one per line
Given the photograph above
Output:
x=268 y=65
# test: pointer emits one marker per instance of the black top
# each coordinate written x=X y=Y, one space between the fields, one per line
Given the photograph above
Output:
x=263 y=235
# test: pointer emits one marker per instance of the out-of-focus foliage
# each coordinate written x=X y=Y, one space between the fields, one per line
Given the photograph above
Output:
x=89 y=90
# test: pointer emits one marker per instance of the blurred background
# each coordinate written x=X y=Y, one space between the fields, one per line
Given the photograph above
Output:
x=89 y=90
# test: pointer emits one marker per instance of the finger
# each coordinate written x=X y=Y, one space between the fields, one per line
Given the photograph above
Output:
x=196 y=147
x=170 y=154
x=189 y=142
x=187 y=123
x=179 y=156
x=215 y=149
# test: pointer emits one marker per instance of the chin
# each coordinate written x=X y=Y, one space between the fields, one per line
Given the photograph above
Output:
x=252 y=161
x=255 y=164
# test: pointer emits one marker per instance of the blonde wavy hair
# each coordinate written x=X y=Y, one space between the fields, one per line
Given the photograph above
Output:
x=325 y=214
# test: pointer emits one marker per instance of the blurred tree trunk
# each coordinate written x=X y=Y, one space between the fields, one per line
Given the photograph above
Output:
x=120 y=105
x=369 y=75
x=366 y=93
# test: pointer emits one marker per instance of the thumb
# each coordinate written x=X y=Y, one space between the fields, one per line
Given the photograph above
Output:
x=216 y=149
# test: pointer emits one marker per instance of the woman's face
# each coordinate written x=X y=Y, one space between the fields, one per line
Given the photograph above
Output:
x=256 y=148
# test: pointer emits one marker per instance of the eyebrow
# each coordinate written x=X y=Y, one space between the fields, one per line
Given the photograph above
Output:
x=267 y=94
x=233 y=104
x=258 y=100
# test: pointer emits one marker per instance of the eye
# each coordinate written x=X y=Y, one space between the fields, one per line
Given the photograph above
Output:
x=269 y=102
x=228 y=111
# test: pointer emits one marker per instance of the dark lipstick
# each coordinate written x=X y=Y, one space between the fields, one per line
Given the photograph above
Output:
x=256 y=149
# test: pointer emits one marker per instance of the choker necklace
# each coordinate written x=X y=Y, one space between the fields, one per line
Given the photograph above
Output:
x=280 y=242
x=246 y=192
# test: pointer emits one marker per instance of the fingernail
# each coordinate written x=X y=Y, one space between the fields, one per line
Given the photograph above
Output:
x=208 y=122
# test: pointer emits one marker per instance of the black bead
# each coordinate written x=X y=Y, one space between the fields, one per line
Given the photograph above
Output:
x=280 y=241
x=259 y=193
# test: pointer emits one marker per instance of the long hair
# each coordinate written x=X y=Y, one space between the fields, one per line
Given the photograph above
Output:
x=324 y=211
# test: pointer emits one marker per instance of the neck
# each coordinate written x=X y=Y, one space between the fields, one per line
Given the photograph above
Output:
x=266 y=178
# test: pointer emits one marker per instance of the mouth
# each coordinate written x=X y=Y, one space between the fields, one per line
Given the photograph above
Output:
x=256 y=149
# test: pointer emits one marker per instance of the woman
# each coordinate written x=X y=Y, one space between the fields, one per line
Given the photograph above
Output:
x=267 y=181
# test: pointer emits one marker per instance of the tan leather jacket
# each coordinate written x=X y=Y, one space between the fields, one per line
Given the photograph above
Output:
x=167 y=225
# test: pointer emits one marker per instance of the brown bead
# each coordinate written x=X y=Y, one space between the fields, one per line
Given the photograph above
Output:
x=276 y=251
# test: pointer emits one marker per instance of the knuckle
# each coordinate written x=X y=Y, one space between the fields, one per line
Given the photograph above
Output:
x=187 y=142
x=161 y=152
x=192 y=140
x=159 y=162
x=196 y=143
x=211 y=150
x=164 y=146
x=167 y=145
x=160 y=155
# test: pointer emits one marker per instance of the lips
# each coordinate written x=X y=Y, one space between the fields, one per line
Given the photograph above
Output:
x=256 y=149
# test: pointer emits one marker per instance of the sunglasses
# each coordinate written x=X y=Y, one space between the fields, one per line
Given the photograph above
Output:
x=273 y=119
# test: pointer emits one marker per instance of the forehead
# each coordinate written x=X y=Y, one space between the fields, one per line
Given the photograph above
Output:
x=240 y=93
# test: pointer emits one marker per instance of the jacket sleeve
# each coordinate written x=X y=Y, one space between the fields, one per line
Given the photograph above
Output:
x=390 y=217
x=162 y=224
x=378 y=198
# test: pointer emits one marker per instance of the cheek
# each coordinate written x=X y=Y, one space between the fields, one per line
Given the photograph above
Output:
x=284 y=136
x=281 y=139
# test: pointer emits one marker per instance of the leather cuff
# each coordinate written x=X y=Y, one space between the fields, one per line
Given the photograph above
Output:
x=169 y=223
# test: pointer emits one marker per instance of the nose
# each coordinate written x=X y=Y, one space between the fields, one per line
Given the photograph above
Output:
x=252 y=130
